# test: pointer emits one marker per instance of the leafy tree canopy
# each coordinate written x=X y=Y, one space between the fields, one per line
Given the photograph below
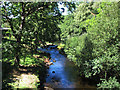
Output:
x=32 y=24
x=92 y=39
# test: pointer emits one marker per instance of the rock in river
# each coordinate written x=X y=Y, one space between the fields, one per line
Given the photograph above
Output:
x=54 y=61
x=53 y=71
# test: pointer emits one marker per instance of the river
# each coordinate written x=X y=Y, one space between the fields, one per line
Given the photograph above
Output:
x=63 y=73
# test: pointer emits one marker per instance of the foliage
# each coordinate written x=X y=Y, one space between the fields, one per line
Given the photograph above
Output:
x=29 y=60
x=92 y=39
x=74 y=23
x=60 y=46
x=111 y=83
x=65 y=27
x=32 y=24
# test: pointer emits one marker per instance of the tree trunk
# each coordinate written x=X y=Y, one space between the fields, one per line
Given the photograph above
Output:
x=17 y=60
x=18 y=48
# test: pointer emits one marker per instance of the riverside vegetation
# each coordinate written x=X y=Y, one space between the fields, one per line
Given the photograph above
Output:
x=90 y=36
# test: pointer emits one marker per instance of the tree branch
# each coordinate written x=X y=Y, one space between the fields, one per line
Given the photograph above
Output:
x=34 y=9
x=92 y=13
x=22 y=16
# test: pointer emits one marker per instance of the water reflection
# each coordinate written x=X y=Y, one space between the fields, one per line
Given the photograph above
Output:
x=63 y=73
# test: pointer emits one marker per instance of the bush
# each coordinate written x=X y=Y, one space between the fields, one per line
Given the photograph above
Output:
x=110 y=83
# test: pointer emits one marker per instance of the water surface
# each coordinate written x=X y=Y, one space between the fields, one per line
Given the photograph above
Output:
x=63 y=73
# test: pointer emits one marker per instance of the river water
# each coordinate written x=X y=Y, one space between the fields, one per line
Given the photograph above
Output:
x=63 y=73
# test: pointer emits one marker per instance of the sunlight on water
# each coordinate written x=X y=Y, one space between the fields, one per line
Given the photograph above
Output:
x=65 y=72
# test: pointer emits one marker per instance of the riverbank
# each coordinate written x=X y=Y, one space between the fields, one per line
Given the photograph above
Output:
x=53 y=71
x=31 y=72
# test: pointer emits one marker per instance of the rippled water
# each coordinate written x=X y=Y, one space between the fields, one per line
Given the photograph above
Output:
x=63 y=73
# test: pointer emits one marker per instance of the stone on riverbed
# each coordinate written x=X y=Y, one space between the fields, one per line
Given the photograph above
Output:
x=54 y=61
x=48 y=88
x=49 y=63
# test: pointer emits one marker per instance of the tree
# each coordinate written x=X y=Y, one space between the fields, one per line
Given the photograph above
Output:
x=32 y=24
x=92 y=40
x=24 y=19
x=74 y=28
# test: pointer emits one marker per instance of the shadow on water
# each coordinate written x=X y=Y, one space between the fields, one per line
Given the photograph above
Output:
x=63 y=73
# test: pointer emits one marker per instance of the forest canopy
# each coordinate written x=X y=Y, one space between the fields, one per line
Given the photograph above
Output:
x=91 y=35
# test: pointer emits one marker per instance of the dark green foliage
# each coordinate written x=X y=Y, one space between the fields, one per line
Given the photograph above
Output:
x=31 y=25
x=7 y=68
x=92 y=38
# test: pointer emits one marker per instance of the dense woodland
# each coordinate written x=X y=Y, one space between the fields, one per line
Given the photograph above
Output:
x=90 y=35
x=92 y=40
